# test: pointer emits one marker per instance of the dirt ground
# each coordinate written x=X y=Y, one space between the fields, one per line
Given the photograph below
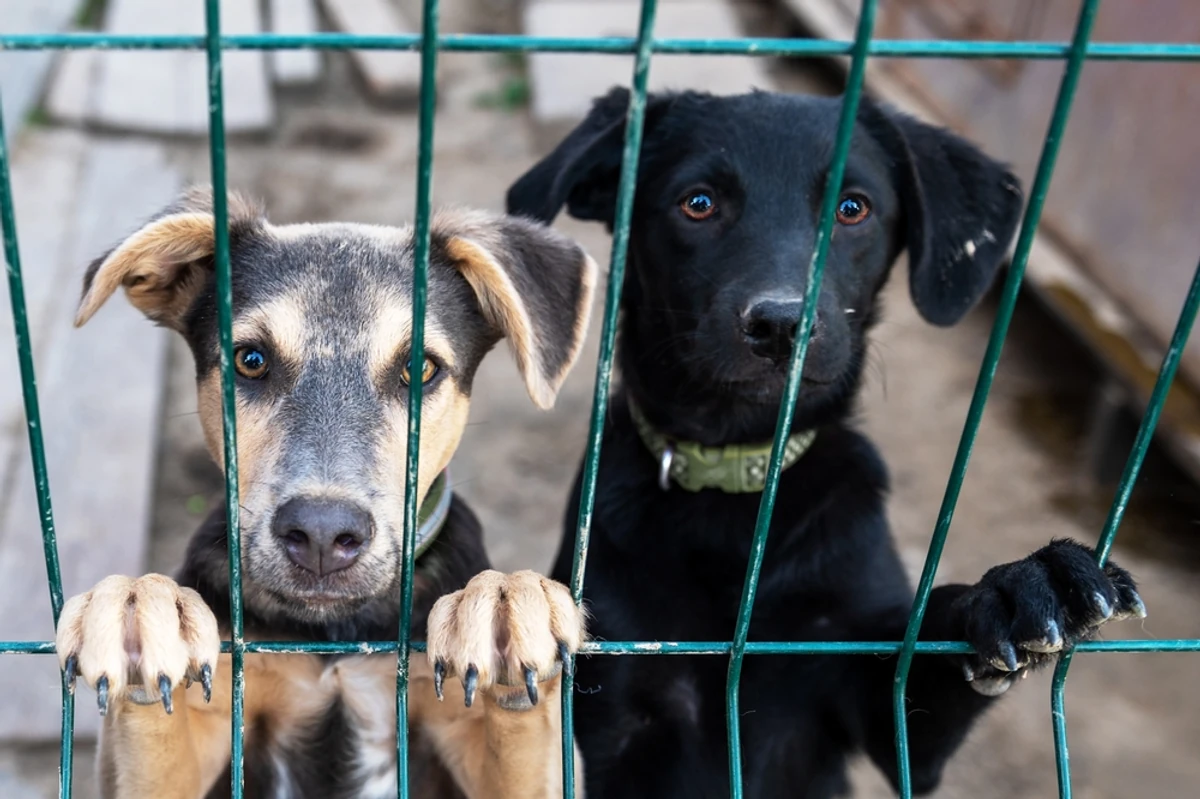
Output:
x=1134 y=719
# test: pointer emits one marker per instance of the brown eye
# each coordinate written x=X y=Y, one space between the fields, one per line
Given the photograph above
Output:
x=250 y=362
x=428 y=371
x=853 y=209
x=698 y=205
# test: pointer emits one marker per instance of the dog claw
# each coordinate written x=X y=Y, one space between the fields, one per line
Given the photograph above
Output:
x=102 y=695
x=565 y=656
x=968 y=672
x=1137 y=606
x=439 y=677
x=164 y=690
x=70 y=670
x=1103 y=605
x=206 y=681
x=1053 y=635
x=1051 y=640
x=469 y=682
x=1008 y=657
x=531 y=685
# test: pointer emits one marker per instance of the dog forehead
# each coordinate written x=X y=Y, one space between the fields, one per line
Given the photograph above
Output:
x=340 y=271
x=342 y=287
x=764 y=131
x=332 y=261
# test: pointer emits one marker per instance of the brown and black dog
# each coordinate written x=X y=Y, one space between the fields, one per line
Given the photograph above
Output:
x=322 y=324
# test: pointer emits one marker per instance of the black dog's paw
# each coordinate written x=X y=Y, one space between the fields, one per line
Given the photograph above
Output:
x=1021 y=614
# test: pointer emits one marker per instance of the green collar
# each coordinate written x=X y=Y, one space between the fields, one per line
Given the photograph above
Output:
x=431 y=517
x=734 y=468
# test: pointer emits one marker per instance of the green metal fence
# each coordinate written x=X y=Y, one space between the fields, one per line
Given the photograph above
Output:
x=1074 y=54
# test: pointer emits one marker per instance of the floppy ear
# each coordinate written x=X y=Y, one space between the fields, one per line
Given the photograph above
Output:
x=165 y=264
x=533 y=285
x=960 y=207
x=584 y=170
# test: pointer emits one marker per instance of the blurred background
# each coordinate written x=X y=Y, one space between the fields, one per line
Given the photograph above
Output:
x=99 y=140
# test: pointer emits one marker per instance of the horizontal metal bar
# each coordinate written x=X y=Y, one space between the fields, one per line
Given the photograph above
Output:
x=617 y=45
x=663 y=647
x=26 y=647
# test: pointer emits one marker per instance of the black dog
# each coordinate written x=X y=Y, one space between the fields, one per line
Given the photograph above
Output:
x=723 y=228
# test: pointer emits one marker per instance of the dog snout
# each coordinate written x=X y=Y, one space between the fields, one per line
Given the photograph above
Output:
x=322 y=536
x=769 y=326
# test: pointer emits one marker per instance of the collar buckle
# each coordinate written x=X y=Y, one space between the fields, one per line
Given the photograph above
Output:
x=664 y=467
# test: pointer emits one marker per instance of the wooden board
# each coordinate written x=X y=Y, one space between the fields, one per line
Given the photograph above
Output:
x=23 y=73
x=294 y=67
x=392 y=77
x=167 y=91
x=100 y=390
x=563 y=85
x=72 y=94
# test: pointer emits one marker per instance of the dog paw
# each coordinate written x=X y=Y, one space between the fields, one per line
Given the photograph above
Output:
x=1022 y=614
x=138 y=639
x=504 y=632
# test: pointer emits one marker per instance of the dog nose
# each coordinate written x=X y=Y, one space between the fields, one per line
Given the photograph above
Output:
x=770 y=327
x=322 y=536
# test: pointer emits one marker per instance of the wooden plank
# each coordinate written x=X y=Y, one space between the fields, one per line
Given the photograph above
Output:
x=45 y=174
x=72 y=95
x=100 y=392
x=391 y=77
x=294 y=67
x=563 y=85
x=23 y=73
x=167 y=91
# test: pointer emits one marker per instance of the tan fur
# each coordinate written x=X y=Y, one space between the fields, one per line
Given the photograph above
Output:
x=505 y=309
x=473 y=237
x=583 y=317
x=280 y=323
x=256 y=437
x=152 y=266
x=443 y=420
x=505 y=621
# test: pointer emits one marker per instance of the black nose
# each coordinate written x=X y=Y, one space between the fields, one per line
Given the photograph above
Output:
x=322 y=535
x=770 y=327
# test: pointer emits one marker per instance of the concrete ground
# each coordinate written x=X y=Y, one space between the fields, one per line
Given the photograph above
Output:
x=1134 y=719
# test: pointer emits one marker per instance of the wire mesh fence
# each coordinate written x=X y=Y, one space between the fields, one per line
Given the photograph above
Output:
x=429 y=42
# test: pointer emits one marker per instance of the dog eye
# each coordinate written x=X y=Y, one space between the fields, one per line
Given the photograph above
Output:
x=853 y=209
x=698 y=205
x=250 y=362
x=428 y=372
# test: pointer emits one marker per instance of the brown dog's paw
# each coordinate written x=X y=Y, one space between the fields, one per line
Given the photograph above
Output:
x=504 y=631
x=138 y=639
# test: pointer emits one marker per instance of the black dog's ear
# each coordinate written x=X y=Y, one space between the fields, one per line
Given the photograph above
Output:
x=960 y=208
x=534 y=286
x=584 y=169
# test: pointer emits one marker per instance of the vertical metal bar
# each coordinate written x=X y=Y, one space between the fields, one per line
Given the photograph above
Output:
x=1116 y=513
x=791 y=392
x=37 y=448
x=428 y=111
x=66 y=741
x=987 y=373
x=626 y=188
x=216 y=134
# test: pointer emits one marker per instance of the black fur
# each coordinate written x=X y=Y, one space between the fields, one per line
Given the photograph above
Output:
x=670 y=565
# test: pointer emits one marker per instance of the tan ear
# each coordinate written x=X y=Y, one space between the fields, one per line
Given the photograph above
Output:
x=165 y=264
x=534 y=285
